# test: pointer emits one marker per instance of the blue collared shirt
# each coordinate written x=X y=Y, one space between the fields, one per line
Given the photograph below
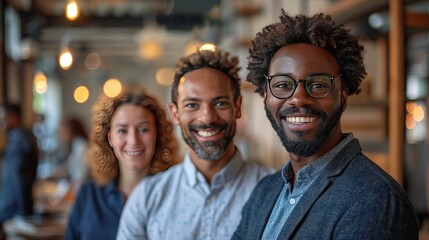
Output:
x=289 y=197
x=180 y=204
x=96 y=212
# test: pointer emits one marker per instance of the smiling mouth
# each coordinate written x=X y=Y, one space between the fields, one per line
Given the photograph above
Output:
x=300 y=120
x=133 y=153
x=206 y=133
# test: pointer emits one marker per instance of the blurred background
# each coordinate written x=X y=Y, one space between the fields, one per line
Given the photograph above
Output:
x=58 y=56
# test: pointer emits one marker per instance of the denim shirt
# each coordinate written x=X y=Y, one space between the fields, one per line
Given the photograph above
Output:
x=289 y=197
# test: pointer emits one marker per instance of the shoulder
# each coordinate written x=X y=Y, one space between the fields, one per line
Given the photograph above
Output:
x=365 y=180
x=159 y=181
x=268 y=185
x=362 y=170
x=18 y=134
x=89 y=189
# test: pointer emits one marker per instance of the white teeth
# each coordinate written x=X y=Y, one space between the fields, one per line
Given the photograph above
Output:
x=133 y=153
x=300 y=120
x=207 y=133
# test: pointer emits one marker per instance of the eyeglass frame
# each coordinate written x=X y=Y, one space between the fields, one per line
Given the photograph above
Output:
x=297 y=81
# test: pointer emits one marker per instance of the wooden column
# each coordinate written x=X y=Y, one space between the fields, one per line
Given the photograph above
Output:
x=396 y=90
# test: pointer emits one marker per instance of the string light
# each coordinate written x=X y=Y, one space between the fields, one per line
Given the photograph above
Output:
x=66 y=59
x=72 y=10
x=40 y=82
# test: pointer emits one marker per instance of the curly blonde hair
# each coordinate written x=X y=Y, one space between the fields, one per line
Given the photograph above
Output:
x=103 y=160
x=216 y=59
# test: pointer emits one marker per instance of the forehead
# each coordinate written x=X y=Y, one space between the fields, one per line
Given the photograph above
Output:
x=132 y=112
x=204 y=82
x=302 y=60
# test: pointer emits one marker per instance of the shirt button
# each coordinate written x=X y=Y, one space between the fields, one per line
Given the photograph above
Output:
x=292 y=201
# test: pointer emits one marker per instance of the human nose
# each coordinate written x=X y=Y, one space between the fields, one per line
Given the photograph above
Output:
x=207 y=115
x=133 y=137
x=300 y=96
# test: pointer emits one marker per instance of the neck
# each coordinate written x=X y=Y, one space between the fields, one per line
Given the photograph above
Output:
x=299 y=162
x=128 y=180
x=209 y=168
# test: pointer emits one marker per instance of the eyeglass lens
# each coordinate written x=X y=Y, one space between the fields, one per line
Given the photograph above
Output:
x=317 y=86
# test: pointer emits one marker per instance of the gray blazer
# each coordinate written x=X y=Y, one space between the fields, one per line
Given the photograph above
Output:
x=352 y=198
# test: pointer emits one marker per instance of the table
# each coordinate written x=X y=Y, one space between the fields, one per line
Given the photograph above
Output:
x=34 y=228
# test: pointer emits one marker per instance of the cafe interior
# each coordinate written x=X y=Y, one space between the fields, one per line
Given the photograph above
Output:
x=58 y=56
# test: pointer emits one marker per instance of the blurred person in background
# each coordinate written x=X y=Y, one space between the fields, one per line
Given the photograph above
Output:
x=72 y=152
x=131 y=138
x=202 y=197
x=18 y=165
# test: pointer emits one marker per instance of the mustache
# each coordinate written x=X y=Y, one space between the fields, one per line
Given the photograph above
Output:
x=207 y=126
x=307 y=110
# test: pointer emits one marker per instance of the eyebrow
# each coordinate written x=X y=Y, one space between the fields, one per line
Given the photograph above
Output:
x=194 y=99
x=126 y=124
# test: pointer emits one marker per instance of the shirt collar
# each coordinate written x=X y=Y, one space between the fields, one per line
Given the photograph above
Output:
x=312 y=170
x=227 y=173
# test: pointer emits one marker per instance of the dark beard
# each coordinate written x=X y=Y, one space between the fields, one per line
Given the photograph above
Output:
x=306 y=148
x=209 y=150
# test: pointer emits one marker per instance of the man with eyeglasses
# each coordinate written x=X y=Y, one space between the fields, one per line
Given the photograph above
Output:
x=305 y=68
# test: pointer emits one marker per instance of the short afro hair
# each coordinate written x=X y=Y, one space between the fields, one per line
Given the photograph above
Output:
x=319 y=30
x=216 y=59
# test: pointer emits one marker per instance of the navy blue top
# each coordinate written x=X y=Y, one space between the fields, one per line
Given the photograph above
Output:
x=96 y=212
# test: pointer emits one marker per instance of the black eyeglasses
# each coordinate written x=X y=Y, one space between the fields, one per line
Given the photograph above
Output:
x=283 y=86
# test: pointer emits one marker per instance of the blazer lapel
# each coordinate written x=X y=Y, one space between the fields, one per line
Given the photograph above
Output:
x=303 y=206
x=334 y=168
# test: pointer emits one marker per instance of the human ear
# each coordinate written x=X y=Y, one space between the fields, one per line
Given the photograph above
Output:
x=174 y=113
x=344 y=98
x=238 y=106
x=108 y=139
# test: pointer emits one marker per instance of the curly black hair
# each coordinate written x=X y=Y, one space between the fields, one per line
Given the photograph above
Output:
x=319 y=30
x=216 y=59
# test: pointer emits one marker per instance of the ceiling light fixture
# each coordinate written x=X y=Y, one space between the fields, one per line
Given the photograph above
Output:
x=72 y=10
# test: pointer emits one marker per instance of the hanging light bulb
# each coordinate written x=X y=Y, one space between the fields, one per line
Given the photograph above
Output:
x=40 y=82
x=66 y=59
x=72 y=10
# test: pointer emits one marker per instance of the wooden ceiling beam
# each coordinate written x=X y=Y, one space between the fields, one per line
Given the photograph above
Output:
x=349 y=10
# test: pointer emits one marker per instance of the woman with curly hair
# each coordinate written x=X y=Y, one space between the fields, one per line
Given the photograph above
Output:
x=306 y=67
x=131 y=138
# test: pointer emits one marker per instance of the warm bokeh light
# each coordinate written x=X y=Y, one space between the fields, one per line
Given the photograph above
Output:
x=81 y=94
x=112 y=87
x=72 y=10
x=66 y=59
x=409 y=121
x=418 y=113
x=164 y=76
x=409 y=106
x=39 y=76
x=40 y=82
x=208 y=47
x=150 y=50
x=41 y=87
x=191 y=47
x=92 y=61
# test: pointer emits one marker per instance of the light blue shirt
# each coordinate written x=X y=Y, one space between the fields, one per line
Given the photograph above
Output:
x=180 y=204
x=289 y=197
